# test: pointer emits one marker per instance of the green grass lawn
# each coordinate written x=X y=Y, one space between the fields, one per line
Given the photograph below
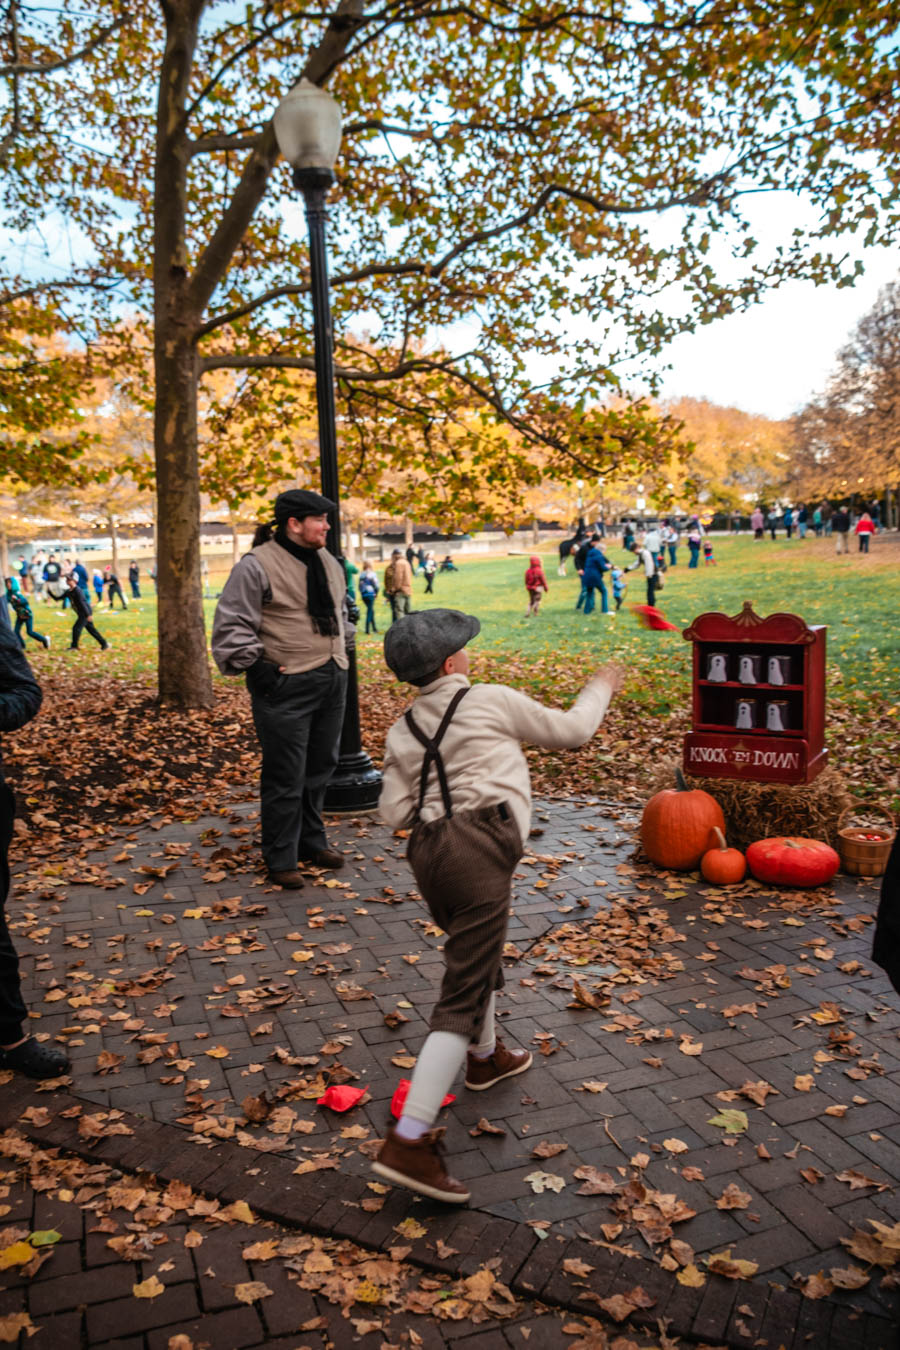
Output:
x=858 y=598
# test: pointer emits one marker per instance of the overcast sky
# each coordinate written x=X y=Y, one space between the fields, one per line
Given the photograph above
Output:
x=772 y=358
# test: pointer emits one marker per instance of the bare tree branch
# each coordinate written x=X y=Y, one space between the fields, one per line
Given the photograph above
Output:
x=16 y=67
x=234 y=141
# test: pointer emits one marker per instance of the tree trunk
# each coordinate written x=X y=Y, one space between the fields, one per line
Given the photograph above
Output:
x=114 y=536
x=235 y=544
x=4 y=553
x=184 y=678
x=408 y=530
x=350 y=552
x=535 y=532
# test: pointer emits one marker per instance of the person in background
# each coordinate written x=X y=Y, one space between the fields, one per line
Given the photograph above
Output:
x=19 y=605
x=827 y=514
x=619 y=586
x=204 y=576
x=36 y=571
x=368 y=589
x=410 y=556
x=628 y=536
x=840 y=524
x=772 y=521
x=736 y=521
x=595 y=566
x=865 y=528
x=535 y=584
x=83 y=617
x=24 y=575
x=113 y=587
x=788 y=521
x=79 y=572
x=398 y=585
x=20 y=699
x=134 y=579
x=802 y=520
x=817 y=521
x=97 y=582
x=581 y=557
x=448 y=565
x=757 y=522
x=429 y=567
x=669 y=539
x=351 y=572
x=694 y=541
x=646 y=560
x=53 y=579
x=708 y=558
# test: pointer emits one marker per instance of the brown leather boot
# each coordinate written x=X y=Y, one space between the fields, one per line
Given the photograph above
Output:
x=290 y=880
x=503 y=1063
x=419 y=1166
x=327 y=858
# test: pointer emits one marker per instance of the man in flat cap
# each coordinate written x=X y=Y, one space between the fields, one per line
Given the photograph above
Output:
x=280 y=622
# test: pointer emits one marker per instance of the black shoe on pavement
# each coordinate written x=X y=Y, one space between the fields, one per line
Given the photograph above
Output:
x=35 y=1060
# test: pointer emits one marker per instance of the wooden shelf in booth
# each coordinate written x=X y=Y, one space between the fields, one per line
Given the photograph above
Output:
x=738 y=684
x=730 y=729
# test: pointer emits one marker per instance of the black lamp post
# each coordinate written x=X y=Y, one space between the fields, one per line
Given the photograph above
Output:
x=308 y=129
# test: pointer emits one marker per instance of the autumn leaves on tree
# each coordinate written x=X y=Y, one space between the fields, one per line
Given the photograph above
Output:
x=502 y=166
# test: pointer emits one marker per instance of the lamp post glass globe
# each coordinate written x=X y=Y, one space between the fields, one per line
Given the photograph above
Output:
x=308 y=128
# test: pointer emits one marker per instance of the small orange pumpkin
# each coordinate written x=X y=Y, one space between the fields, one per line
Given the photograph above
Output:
x=676 y=823
x=721 y=865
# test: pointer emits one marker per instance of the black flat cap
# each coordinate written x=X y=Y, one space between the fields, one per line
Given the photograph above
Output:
x=299 y=503
x=418 y=644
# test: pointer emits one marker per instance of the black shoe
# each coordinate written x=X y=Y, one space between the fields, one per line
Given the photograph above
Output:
x=35 y=1060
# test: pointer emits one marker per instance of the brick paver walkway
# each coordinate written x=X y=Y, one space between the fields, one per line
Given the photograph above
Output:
x=193 y=996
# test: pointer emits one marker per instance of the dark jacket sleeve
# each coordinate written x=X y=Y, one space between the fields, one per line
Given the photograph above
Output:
x=20 y=693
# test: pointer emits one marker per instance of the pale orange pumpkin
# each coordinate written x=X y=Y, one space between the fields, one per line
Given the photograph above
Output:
x=676 y=823
x=721 y=865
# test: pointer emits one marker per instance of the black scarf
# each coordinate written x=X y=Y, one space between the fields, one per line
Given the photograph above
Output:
x=318 y=594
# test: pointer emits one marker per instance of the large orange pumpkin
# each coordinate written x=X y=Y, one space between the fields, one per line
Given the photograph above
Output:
x=676 y=823
x=721 y=865
x=792 y=861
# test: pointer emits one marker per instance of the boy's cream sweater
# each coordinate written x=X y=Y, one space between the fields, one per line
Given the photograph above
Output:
x=481 y=748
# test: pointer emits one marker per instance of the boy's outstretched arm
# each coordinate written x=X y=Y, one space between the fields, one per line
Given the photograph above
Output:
x=553 y=729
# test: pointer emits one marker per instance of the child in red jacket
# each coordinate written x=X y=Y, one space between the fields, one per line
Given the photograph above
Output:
x=535 y=582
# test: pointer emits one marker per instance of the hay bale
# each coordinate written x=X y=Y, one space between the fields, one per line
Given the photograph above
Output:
x=760 y=810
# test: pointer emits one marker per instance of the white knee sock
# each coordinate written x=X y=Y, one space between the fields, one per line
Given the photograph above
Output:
x=439 y=1062
x=487 y=1042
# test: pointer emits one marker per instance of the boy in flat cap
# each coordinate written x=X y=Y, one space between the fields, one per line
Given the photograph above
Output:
x=280 y=622
x=454 y=770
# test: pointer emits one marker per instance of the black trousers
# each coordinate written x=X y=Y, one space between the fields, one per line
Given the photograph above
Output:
x=116 y=590
x=652 y=583
x=298 y=724
x=12 y=1009
x=85 y=624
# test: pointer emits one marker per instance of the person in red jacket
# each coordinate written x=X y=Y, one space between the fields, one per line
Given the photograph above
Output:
x=535 y=583
x=865 y=527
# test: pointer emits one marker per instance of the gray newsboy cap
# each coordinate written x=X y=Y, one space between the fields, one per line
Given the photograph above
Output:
x=418 y=644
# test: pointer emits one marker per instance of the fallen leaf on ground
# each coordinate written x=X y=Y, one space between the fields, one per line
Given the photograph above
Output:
x=733 y=1198
x=544 y=1181
x=151 y=1288
x=484 y=1126
x=731 y=1121
x=547 y=1150
x=252 y=1291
